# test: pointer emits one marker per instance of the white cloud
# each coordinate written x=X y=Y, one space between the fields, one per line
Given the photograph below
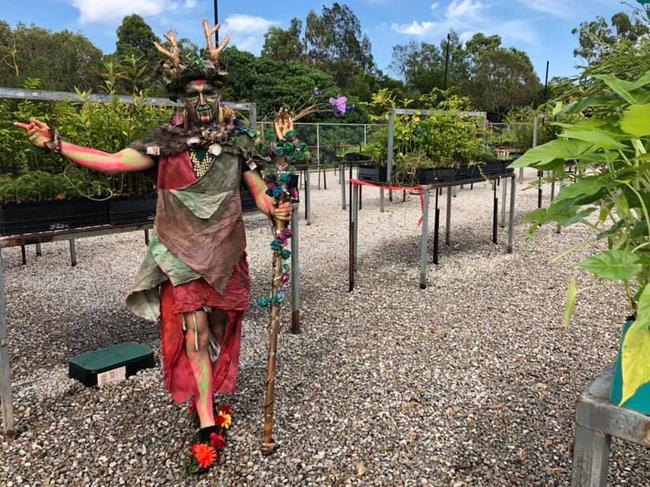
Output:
x=414 y=28
x=190 y=3
x=247 y=31
x=103 y=11
x=467 y=17
x=459 y=9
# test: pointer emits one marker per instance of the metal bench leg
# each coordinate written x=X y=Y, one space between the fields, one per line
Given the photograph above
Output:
x=73 y=253
x=590 y=458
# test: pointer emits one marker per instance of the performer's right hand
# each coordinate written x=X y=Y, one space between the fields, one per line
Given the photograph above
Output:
x=38 y=132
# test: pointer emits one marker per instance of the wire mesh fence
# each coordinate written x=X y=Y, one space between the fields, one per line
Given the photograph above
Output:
x=329 y=142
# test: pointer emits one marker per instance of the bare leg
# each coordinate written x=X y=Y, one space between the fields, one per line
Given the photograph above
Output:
x=197 y=337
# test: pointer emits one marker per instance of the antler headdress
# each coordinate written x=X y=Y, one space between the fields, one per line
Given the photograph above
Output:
x=181 y=67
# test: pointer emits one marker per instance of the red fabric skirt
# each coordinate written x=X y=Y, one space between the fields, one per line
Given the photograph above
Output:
x=176 y=300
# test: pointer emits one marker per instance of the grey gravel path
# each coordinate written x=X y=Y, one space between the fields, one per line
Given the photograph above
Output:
x=471 y=382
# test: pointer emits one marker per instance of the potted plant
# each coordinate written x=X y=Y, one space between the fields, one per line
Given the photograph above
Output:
x=609 y=140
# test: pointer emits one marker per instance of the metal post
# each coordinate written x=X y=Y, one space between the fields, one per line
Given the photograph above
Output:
x=39 y=250
x=448 y=221
x=391 y=142
x=357 y=198
x=495 y=211
x=436 y=231
x=307 y=196
x=23 y=252
x=365 y=134
x=381 y=200
x=504 y=195
x=295 y=270
x=511 y=223
x=558 y=229
x=318 y=152
x=540 y=175
x=73 y=253
x=342 y=183
x=146 y=237
x=5 y=366
x=424 y=239
x=351 y=234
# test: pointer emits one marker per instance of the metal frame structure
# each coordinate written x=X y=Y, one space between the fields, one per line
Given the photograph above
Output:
x=353 y=240
x=41 y=95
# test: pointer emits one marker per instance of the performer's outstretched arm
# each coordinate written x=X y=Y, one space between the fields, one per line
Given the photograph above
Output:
x=127 y=160
x=265 y=204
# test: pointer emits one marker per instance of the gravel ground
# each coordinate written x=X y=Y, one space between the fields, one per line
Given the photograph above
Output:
x=471 y=382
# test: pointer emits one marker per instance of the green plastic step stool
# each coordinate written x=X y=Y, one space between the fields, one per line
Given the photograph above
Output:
x=122 y=360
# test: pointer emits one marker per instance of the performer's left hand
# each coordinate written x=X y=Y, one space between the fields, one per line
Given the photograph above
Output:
x=283 y=212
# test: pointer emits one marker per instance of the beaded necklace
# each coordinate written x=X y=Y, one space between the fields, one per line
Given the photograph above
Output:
x=201 y=160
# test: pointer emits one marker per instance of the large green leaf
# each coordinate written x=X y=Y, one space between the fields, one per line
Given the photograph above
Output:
x=636 y=349
x=590 y=101
x=614 y=265
x=594 y=136
x=624 y=88
x=559 y=149
x=583 y=189
x=570 y=308
x=636 y=120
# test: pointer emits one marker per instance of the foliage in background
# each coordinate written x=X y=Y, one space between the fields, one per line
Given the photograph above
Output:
x=28 y=175
x=610 y=193
x=447 y=138
x=61 y=60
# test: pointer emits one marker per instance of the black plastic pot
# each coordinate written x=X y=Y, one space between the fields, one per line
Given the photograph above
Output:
x=18 y=219
x=495 y=167
x=375 y=174
x=132 y=209
x=356 y=157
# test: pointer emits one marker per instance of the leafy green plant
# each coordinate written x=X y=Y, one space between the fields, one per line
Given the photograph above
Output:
x=28 y=175
x=610 y=193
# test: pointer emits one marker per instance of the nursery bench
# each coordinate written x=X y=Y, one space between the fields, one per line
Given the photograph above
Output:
x=597 y=420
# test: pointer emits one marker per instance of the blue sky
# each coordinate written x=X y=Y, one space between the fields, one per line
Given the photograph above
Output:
x=540 y=27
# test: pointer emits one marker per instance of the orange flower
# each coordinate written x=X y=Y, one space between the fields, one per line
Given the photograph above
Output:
x=225 y=409
x=224 y=420
x=205 y=455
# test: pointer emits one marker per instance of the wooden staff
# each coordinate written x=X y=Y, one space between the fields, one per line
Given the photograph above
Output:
x=268 y=445
x=283 y=123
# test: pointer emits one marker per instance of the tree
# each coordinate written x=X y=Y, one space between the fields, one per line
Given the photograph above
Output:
x=242 y=75
x=278 y=84
x=500 y=79
x=284 y=45
x=335 y=35
x=135 y=37
x=61 y=60
x=596 y=38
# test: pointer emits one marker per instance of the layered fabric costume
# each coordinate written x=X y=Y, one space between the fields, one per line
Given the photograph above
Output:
x=196 y=257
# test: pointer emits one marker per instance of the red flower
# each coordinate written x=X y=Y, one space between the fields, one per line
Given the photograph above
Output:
x=224 y=420
x=217 y=441
x=225 y=410
x=205 y=455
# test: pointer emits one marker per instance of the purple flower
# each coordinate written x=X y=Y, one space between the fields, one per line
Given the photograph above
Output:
x=339 y=106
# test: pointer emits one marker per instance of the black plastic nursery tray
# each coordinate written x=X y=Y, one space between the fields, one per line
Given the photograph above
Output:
x=21 y=218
